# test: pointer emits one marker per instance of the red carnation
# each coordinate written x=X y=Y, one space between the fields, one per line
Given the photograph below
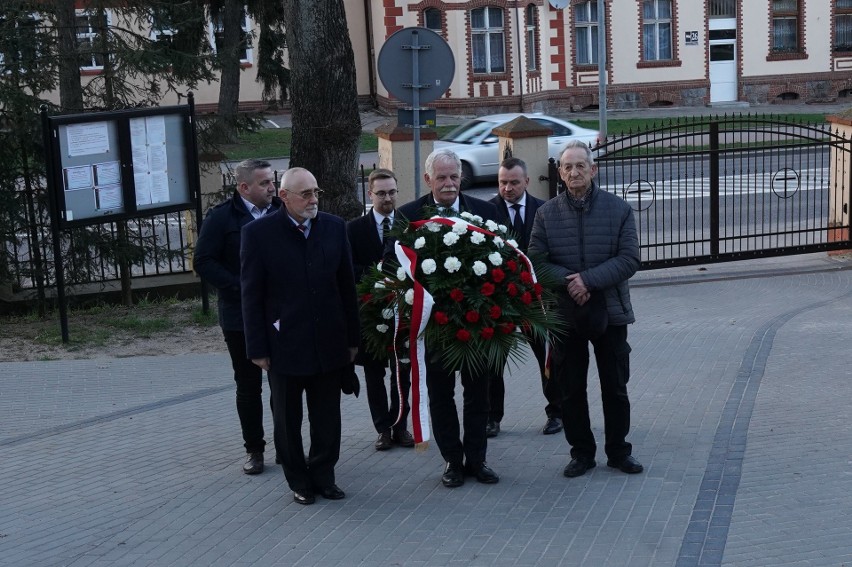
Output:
x=471 y=316
x=463 y=335
x=486 y=332
x=456 y=294
x=526 y=298
x=512 y=266
x=512 y=290
x=366 y=298
x=496 y=312
x=498 y=275
x=487 y=289
x=526 y=277
x=507 y=327
x=537 y=289
x=441 y=318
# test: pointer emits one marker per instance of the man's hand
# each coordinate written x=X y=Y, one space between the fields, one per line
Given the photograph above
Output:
x=352 y=352
x=577 y=289
x=262 y=362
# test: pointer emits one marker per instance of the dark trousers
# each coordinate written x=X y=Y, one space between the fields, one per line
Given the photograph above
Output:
x=322 y=393
x=249 y=379
x=497 y=388
x=571 y=365
x=445 y=418
x=383 y=413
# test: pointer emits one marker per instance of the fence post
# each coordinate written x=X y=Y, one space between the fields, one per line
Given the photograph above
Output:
x=714 y=188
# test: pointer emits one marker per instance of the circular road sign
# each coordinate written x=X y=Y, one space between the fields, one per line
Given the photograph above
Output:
x=435 y=64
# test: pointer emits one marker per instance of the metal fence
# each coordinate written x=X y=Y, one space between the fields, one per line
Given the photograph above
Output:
x=730 y=188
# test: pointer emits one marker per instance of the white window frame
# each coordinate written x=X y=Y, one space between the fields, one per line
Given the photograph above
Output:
x=91 y=36
x=36 y=20
x=589 y=27
x=216 y=28
x=651 y=49
x=532 y=44
x=488 y=32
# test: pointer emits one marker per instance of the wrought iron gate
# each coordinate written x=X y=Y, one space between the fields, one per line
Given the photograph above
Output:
x=715 y=189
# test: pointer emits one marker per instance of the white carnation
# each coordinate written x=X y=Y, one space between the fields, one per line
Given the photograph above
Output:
x=512 y=242
x=477 y=218
x=502 y=227
x=477 y=238
x=382 y=328
x=498 y=242
x=419 y=243
x=400 y=274
x=379 y=285
x=409 y=297
x=452 y=264
x=466 y=215
x=491 y=225
x=479 y=268
x=429 y=266
x=459 y=227
x=433 y=227
x=451 y=238
x=387 y=313
x=495 y=258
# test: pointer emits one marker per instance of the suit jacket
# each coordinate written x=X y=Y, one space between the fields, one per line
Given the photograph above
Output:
x=217 y=256
x=307 y=286
x=533 y=203
x=415 y=210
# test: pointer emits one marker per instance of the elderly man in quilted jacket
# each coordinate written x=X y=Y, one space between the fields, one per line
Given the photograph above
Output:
x=589 y=237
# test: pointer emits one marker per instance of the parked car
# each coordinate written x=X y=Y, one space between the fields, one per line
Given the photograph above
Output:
x=476 y=144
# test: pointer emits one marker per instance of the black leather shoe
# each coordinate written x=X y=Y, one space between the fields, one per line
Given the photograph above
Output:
x=453 y=475
x=553 y=425
x=304 y=497
x=277 y=459
x=253 y=464
x=403 y=438
x=578 y=467
x=492 y=429
x=384 y=442
x=332 y=492
x=626 y=464
x=482 y=473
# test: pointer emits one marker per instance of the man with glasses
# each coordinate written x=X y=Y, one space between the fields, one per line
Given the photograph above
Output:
x=217 y=261
x=367 y=235
x=588 y=236
x=301 y=323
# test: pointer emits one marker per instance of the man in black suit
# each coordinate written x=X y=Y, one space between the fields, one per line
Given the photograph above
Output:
x=443 y=176
x=516 y=208
x=217 y=261
x=301 y=322
x=367 y=236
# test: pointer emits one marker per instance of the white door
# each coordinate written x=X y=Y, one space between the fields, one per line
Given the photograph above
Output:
x=723 y=70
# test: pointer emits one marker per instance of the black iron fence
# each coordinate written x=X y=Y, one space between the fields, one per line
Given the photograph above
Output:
x=730 y=188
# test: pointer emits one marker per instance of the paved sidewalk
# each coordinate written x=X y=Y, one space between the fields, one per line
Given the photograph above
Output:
x=740 y=393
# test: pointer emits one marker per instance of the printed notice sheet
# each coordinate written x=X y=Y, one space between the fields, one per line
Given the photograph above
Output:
x=150 y=160
x=87 y=139
x=78 y=178
x=108 y=197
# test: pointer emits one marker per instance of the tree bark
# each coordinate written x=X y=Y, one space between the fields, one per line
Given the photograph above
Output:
x=228 y=55
x=326 y=123
x=70 y=87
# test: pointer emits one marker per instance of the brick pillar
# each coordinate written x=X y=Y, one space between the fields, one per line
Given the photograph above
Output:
x=526 y=139
x=839 y=180
x=396 y=152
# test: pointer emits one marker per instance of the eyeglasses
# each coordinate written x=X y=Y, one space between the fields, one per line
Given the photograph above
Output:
x=385 y=194
x=308 y=193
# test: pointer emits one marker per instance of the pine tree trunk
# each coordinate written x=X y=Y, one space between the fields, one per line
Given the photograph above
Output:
x=326 y=123
x=70 y=87
x=229 y=59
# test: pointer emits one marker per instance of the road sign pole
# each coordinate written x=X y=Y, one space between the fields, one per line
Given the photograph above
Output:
x=415 y=101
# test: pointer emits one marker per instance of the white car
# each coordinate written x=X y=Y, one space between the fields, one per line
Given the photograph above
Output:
x=476 y=144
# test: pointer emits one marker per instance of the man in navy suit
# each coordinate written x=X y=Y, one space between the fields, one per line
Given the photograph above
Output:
x=300 y=312
x=516 y=208
x=443 y=176
x=367 y=236
x=217 y=261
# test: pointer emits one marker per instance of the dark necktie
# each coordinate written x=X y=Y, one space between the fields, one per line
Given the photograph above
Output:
x=385 y=228
x=518 y=224
x=302 y=228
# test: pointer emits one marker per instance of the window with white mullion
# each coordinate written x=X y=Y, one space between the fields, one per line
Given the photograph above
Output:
x=89 y=26
x=217 y=32
x=586 y=32
x=487 y=41
x=657 y=30
x=843 y=25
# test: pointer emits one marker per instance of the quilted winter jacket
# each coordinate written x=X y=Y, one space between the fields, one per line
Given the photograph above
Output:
x=599 y=241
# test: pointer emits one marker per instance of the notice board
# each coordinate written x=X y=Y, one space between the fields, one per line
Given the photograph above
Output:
x=108 y=166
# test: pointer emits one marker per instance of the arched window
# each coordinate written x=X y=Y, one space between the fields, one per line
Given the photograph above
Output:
x=487 y=41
